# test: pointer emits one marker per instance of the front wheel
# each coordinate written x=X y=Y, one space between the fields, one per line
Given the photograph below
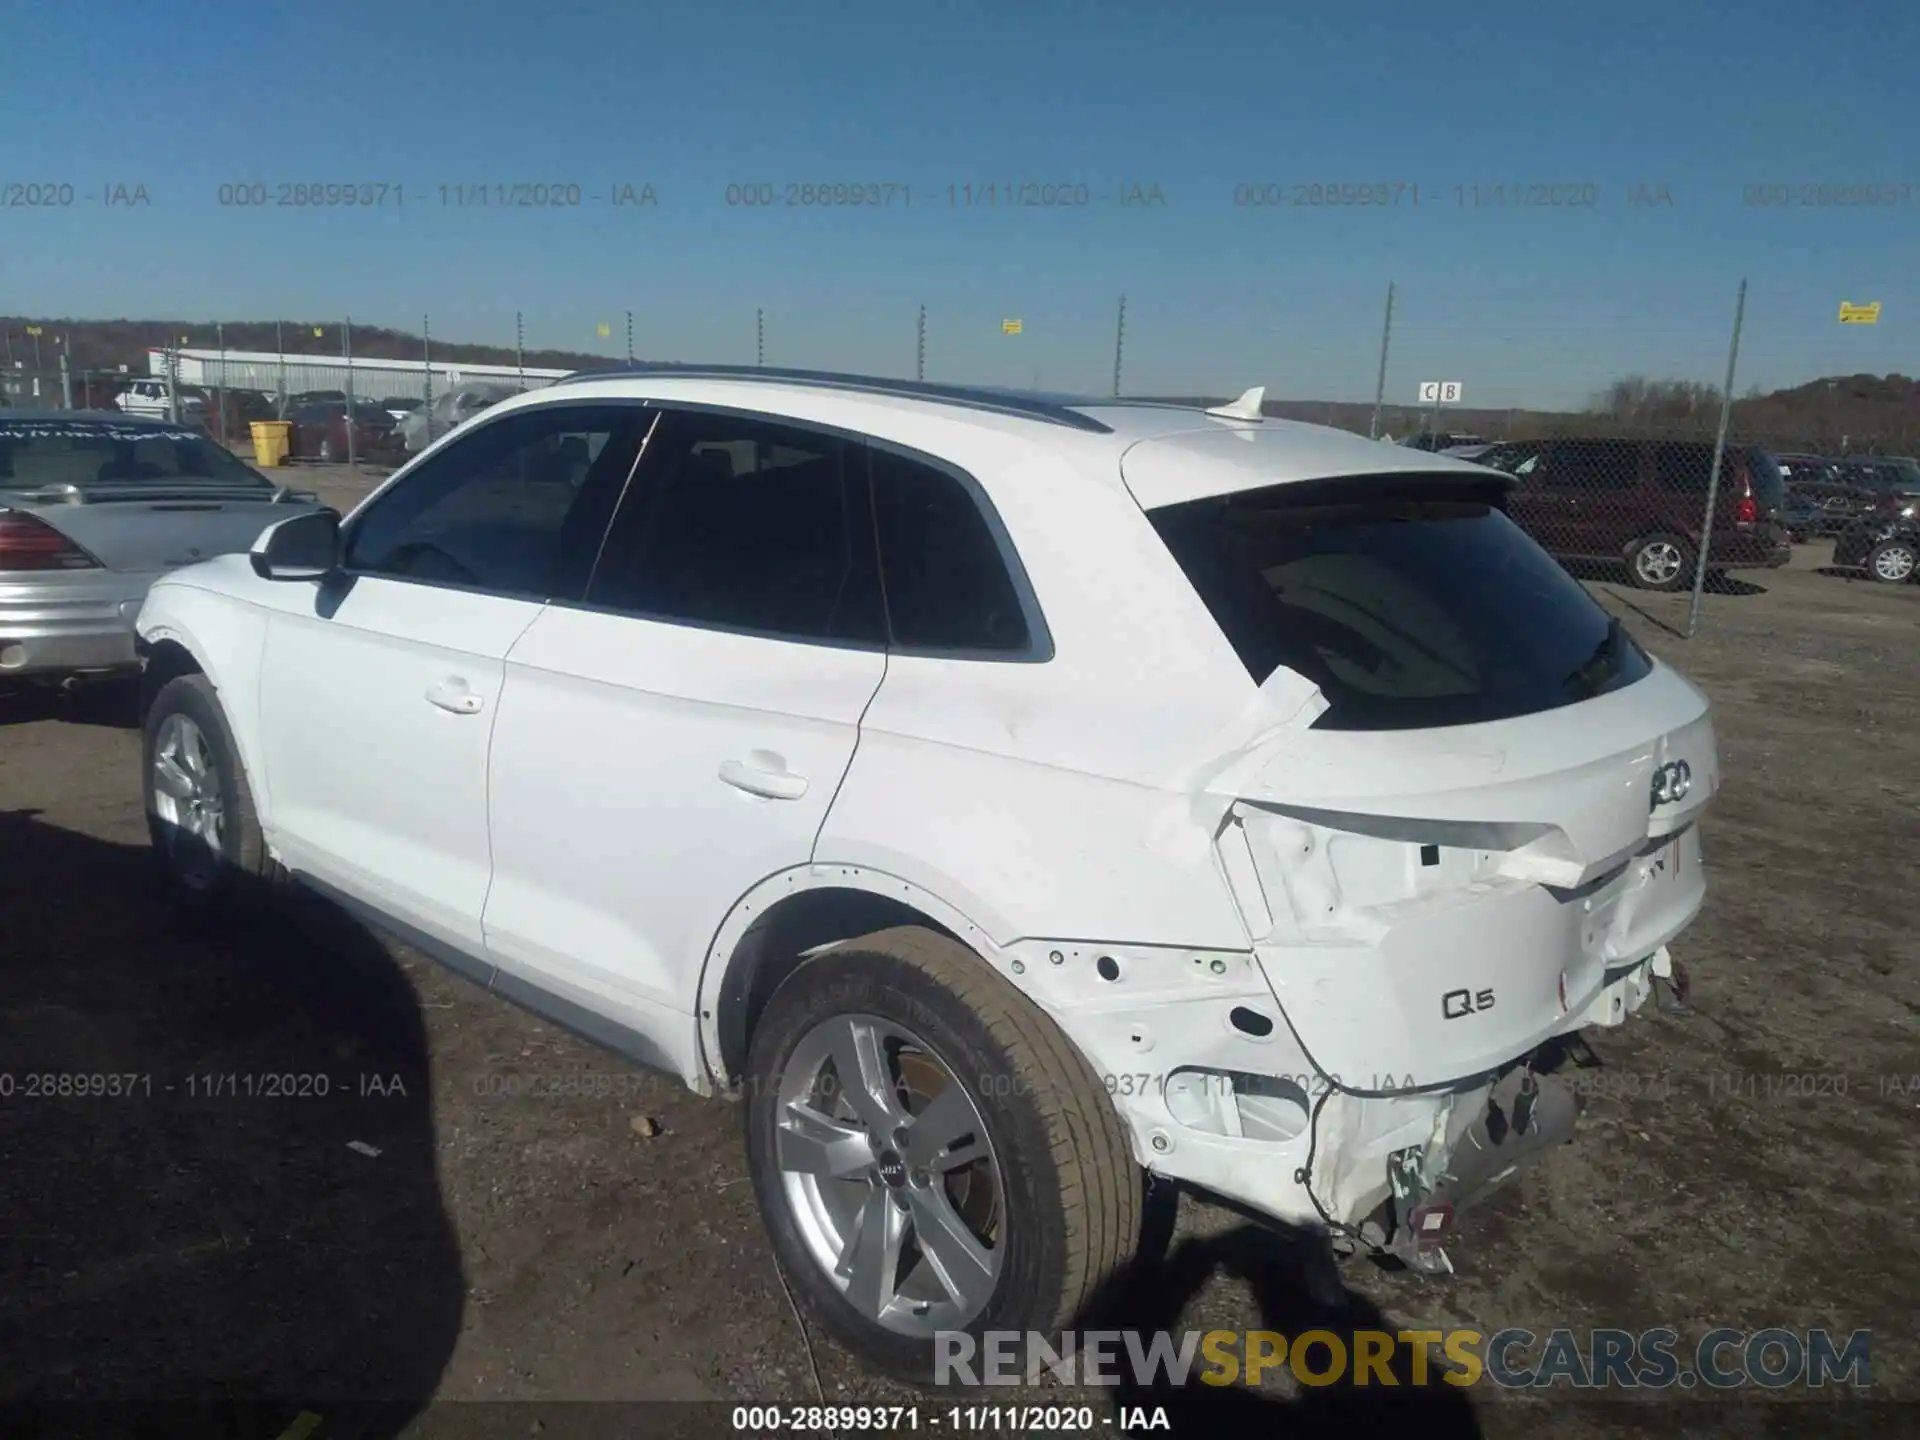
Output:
x=1660 y=562
x=930 y=1153
x=200 y=814
x=1891 y=561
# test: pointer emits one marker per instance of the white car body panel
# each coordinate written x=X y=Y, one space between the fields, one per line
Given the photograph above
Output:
x=377 y=789
x=618 y=847
x=1132 y=803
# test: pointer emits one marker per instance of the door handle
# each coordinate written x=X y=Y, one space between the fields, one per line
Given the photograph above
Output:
x=452 y=694
x=764 y=775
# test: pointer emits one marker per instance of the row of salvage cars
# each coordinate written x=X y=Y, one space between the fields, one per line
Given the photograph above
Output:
x=1870 y=505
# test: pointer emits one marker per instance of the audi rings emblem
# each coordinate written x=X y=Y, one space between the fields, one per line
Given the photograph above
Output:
x=1671 y=782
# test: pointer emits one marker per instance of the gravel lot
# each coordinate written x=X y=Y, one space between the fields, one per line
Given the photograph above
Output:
x=223 y=1248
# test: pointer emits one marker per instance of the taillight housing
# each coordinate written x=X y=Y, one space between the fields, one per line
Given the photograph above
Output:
x=29 y=543
x=1748 y=510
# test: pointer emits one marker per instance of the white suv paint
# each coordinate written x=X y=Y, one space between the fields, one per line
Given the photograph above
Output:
x=1006 y=797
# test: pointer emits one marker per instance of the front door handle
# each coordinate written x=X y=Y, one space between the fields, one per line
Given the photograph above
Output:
x=764 y=775
x=452 y=694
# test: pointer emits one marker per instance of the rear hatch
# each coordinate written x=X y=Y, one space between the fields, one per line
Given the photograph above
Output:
x=1457 y=804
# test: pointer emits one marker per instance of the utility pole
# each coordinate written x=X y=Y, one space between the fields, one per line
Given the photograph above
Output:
x=346 y=341
x=1719 y=452
x=920 y=348
x=760 y=337
x=1380 y=381
x=629 y=337
x=520 y=349
x=426 y=367
x=1119 y=345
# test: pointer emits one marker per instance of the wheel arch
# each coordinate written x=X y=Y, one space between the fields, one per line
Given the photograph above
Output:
x=184 y=630
x=778 y=925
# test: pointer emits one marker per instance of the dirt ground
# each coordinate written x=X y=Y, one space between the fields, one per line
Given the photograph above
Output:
x=1750 y=1162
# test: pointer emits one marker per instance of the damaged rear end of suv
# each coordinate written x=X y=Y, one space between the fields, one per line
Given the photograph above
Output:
x=1460 y=822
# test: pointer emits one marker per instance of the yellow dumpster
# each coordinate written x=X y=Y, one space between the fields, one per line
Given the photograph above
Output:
x=271 y=440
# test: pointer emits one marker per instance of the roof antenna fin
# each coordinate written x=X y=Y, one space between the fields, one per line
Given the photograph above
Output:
x=1247 y=407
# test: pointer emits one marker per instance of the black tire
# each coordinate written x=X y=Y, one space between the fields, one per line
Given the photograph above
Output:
x=242 y=871
x=1073 y=1195
x=1662 y=561
x=1892 y=562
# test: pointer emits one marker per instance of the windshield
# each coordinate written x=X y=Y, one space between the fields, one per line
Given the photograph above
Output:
x=38 y=454
x=1408 y=605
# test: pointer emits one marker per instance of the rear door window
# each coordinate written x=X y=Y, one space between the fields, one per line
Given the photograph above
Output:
x=1409 y=604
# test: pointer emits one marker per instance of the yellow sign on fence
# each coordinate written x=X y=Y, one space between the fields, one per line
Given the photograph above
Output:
x=1010 y=327
x=1852 y=314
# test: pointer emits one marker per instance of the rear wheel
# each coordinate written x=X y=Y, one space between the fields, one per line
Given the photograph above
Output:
x=200 y=814
x=1892 y=561
x=1660 y=562
x=930 y=1153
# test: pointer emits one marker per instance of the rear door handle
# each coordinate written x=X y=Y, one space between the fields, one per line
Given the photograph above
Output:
x=452 y=694
x=764 y=775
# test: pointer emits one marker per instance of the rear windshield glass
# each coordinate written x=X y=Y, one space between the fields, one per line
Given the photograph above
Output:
x=34 y=454
x=1408 y=606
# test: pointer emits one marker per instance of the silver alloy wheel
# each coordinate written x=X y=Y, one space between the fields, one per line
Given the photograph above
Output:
x=186 y=795
x=1658 y=562
x=889 y=1175
x=1894 y=563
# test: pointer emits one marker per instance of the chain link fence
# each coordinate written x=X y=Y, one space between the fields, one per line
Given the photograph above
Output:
x=1665 y=484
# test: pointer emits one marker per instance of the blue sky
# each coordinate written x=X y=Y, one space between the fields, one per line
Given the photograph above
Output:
x=1523 y=305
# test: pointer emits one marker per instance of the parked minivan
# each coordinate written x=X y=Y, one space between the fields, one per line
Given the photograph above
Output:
x=1642 y=503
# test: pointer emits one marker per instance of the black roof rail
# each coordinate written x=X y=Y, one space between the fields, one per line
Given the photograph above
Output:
x=1053 y=410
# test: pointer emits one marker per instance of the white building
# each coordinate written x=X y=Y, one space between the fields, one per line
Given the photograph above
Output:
x=270 y=372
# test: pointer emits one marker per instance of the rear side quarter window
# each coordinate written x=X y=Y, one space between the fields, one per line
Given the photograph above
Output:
x=952 y=583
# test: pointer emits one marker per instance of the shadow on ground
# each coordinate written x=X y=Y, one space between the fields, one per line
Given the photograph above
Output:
x=1296 y=1288
x=192 y=1244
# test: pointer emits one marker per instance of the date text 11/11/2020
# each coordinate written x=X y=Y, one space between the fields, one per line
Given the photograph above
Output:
x=1401 y=194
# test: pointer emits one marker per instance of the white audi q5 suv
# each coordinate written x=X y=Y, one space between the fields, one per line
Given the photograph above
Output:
x=1007 y=798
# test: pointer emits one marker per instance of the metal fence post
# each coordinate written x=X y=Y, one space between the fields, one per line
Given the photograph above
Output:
x=760 y=337
x=520 y=349
x=1380 y=381
x=1119 y=345
x=280 y=349
x=220 y=385
x=1719 y=452
x=66 y=383
x=346 y=340
x=629 y=337
x=920 y=347
x=426 y=366
x=173 y=384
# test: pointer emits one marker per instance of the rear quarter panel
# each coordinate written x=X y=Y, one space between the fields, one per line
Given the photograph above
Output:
x=1051 y=798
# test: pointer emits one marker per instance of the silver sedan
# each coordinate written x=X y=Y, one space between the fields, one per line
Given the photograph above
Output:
x=94 y=507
